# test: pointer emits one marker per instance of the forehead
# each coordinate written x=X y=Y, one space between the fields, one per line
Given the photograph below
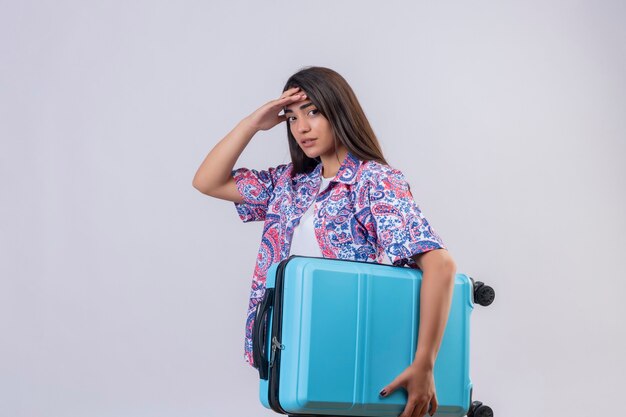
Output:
x=298 y=105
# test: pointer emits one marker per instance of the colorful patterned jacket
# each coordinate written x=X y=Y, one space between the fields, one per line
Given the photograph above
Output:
x=367 y=211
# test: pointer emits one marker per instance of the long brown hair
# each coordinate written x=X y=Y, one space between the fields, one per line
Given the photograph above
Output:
x=335 y=100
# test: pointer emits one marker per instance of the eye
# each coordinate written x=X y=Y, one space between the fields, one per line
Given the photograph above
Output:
x=314 y=111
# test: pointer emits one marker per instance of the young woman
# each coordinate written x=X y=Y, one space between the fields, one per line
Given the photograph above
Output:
x=337 y=198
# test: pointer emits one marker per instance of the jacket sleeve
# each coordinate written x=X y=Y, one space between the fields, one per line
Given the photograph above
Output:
x=256 y=188
x=401 y=229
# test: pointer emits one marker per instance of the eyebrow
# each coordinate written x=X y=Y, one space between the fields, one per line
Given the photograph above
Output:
x=304 y=106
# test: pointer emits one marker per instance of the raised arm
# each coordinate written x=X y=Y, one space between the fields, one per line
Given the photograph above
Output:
x=214 y=176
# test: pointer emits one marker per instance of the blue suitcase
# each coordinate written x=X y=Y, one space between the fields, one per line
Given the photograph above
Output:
x=330 y=334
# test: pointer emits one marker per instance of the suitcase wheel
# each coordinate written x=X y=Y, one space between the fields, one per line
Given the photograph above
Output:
x=478 y=409
x=483 y=294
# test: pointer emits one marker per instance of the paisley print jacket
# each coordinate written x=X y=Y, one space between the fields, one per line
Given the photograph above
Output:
x=367 y=211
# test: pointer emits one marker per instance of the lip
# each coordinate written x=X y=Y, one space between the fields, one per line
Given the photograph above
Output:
x=307 y=143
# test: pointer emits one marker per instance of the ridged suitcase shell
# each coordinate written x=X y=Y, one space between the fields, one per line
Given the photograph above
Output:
x=348 y=329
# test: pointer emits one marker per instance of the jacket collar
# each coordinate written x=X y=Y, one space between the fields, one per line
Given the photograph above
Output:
x=346 y=173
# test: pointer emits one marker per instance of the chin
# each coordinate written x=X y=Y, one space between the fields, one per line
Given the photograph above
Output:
x=311 y=155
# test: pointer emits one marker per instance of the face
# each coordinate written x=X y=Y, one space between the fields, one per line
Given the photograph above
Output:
x=310 y=128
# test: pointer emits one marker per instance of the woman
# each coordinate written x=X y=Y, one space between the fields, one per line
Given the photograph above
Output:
x=337 y=198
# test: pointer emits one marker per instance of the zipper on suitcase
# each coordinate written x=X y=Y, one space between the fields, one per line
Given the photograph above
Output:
x=275 y=345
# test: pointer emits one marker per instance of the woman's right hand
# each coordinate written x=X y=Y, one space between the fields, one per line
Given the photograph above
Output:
x=266 y=116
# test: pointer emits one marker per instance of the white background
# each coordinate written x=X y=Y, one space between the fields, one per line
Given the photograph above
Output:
x=123 y=289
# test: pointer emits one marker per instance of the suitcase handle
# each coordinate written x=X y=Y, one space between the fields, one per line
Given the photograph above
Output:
x=259 y=334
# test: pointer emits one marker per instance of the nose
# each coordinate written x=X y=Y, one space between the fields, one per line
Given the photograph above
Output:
x=303 y=125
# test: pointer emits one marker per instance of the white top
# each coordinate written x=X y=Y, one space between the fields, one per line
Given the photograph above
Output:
x=304 y=241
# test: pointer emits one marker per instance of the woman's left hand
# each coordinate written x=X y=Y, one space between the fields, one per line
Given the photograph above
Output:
x=419 y=383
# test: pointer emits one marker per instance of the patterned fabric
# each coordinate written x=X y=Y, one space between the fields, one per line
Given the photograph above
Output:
x=367 y=211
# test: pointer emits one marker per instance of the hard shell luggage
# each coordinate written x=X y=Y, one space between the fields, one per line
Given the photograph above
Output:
x=330 y=334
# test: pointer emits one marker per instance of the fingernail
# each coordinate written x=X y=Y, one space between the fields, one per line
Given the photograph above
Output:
x=383 y=392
